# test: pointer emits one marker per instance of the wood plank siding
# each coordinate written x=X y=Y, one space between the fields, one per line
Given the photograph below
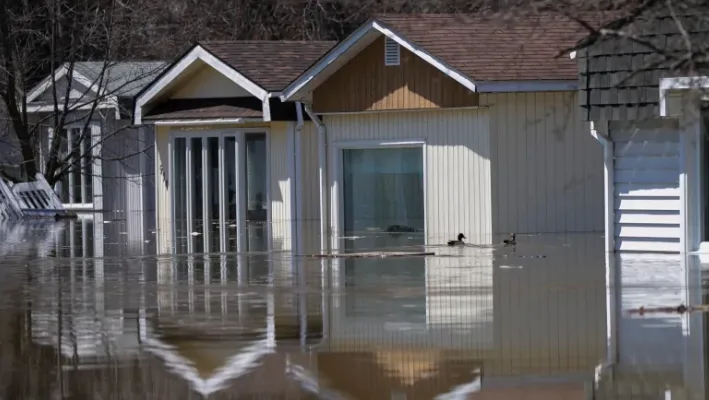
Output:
x=367 y=84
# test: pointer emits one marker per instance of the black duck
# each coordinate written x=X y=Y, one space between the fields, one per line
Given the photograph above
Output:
x=458 y=242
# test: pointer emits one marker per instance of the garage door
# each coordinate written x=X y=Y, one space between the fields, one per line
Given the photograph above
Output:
x=646 y=176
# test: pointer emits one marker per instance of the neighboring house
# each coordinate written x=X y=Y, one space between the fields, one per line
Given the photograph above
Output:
x=654 y=135
x=404 y=126
x=226 y=145
x=117 y=168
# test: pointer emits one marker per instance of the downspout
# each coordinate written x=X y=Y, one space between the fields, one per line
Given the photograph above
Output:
x=297 y=191
x=322 y=164
x=600 y=132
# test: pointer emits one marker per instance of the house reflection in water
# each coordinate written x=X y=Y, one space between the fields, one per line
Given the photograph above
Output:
x=655 y=355
x=471 y=323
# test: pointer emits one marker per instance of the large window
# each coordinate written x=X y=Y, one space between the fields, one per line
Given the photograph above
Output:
x=219 y=191
x=76 y=149
x=383 y=207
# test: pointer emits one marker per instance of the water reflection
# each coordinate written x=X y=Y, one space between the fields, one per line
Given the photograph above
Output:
x=87 y=313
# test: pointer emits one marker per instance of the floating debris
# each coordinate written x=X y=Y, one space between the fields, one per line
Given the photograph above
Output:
x=510 y=267
x=374 y=254
x=196 y=233
x=680 y=309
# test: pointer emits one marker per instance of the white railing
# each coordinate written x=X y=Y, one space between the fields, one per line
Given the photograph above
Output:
x=28 y=199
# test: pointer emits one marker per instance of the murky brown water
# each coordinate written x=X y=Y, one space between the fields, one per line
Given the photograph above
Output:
x=89 y=318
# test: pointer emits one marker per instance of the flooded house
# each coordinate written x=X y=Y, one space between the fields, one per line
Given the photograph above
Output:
x=399 y=128
x=106 y=165
x=650 y=119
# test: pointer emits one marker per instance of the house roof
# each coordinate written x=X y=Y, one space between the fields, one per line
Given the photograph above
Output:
x=269 y=64
x=489 y=48
x=125 y=78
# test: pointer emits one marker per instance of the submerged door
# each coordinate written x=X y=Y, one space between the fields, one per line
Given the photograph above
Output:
x=219 y=192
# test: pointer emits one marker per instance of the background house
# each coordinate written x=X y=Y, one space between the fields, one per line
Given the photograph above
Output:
x=112 y=169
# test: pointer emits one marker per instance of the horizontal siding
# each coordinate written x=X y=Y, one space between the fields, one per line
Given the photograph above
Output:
x=547 y=169
x=457 y=175
x=646 y=186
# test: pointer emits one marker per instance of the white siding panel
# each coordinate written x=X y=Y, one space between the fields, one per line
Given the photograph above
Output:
x=644 y=190
x=547 y=170
x=647 y=204
x=646 y=185
x=457 y=175
x=279 y=181
x=309 y=203
x=643 y=217
x=662 y=231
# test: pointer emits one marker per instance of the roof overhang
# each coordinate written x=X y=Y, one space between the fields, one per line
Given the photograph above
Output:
x=198 y=53
x=347 y=49
x=675 y=88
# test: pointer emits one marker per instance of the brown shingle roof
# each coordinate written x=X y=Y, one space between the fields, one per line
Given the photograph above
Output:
x=269 y=64
x=493 y=49
x=206 y=108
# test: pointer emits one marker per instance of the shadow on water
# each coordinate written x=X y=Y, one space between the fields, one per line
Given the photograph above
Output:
x=87 y=313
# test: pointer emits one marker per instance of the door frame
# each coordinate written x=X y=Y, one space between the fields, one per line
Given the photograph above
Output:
x=240 y=152
x=337 y=177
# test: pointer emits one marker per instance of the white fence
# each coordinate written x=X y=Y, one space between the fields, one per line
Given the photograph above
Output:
x=29 y=199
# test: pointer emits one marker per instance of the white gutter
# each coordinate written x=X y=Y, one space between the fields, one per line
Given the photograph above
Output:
x=322 y=163
x=600 y=132
x=296 y=211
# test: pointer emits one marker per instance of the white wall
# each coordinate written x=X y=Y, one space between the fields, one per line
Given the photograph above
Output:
x=457 y=157
x=547 y=170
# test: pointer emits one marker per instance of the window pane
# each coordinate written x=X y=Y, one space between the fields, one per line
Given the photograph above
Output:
x=63 y=153
x=231 y=191
x=198 y=223
x=213 y=157
x=256 y=202
x=88 y=167
x=76 y=145
x=382 y=189
x=180 y=191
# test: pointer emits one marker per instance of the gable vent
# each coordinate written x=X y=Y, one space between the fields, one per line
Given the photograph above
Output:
x=392 y=52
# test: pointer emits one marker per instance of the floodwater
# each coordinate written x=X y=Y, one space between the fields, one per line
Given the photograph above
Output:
x=88 y=313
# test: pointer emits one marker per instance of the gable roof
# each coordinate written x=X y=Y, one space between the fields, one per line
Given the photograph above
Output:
x=122 y=79
x=469 y=48
x=268 y=63
x=260 y=67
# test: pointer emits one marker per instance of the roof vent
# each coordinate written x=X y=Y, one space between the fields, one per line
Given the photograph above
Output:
x=392 y=52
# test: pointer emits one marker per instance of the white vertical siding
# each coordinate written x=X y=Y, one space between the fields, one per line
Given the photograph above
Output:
x=309 y=202
x=163 y=207
x=279 y=181
x=457 y=174
x=547 y=170
x=646 y=185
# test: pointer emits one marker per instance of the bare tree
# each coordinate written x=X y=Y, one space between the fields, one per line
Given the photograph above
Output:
x=38 y=38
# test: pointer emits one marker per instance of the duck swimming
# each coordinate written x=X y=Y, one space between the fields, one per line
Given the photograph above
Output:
x=458 y=242
x=511 y=241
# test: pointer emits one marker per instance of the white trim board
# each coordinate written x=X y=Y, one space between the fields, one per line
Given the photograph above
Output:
x=299 y=87
x=669 y=85
x=198 y=53
x=200 y=122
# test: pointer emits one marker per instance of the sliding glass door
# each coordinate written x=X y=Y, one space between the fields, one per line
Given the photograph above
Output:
x=219 y=191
